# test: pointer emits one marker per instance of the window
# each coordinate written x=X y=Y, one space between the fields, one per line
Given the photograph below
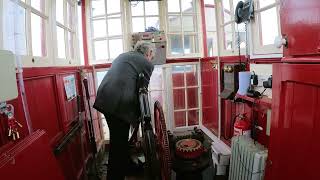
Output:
x=17 y=33
x=210 y=16
x=107 y=31
x=266 y=28
x=233 y=35
x=144 y=15
x=183 y=33
x=65 y=28
x=186 y=101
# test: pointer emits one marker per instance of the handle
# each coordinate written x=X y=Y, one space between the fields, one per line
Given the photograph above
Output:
x=85 y=83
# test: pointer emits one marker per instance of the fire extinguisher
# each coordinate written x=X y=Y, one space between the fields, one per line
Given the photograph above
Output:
x=242 y=126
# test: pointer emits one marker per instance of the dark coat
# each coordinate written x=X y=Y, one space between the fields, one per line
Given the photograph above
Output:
x=117 y=94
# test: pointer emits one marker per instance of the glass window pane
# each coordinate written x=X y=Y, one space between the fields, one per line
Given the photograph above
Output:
x=61 y=43
x=174 y=6
x=212 y=44
x=138 y=25
x=71 y=44
x=180 y=119
x=178 y=76
x=228 y=37
x=179 y=99
x=234 y=4
x=264 y=3
x=191 y=75
x=99 y=28
x=226 y=11
x=20 y=41
x=174 y=24
x=175 y=42
x=188 y=6
x=70 y=15
x=242 y=34
x=188 y=23
x=101 y=50
x=114 y=27
x=98 y=7
x=190 y=44
x=38 y=34
x=226 y=5
x=38 y=4
x=113 y=6
x=137 y=8
x=192 y=94
x=193 y=117
x=153 y=22
x=152 y=8
x=59 y=11
x=211 y=2
x=116 y=48
x=269 y=26
x=210 y=19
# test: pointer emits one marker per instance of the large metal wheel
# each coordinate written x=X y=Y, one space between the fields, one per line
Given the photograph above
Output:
x=163 y=149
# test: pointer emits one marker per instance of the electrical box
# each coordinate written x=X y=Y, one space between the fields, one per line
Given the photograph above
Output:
x=8 y=81
x=158 y=39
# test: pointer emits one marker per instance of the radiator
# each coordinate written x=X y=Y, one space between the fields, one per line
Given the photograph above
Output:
x=247 y=159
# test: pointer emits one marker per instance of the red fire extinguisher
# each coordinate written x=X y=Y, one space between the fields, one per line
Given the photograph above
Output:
x=242 y=126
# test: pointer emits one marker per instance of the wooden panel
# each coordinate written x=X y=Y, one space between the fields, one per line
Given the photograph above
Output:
x=300 y=22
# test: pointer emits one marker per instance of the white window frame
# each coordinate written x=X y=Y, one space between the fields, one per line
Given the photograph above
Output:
x=258 y=50
x=144 y=16
x=169 y=97
x=91 y=39
x=213 y=33
x=198 y=31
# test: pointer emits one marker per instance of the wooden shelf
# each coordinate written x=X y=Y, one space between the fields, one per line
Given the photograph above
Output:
x=264 y=101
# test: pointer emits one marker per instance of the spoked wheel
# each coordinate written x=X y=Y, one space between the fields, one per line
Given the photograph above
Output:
x=152 y=162
x=162 y=142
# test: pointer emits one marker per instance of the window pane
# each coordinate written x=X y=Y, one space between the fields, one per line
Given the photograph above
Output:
x=113 y=6
x=38 y=34
x=178 y=76
x=173 y=6
x=228 y=37
x=226 y=5
x=180 y=118
x=174 y=24
x=116 y=48
x=210 y=19
x=101 y=50
x=242 y=33
x=191 y=75
x=188 y=23
x=137 y=8
x=188 y=6
x=38 y=4
x=193 y=117
x=175 y=42
x=212 y=44
x=20 y=41
x=269 y=26
x=98 y=7
x=264 y=3
x=71 y=45
x=235 y=3
x=226 y=11
x=61 y=43
x=152 y=8
x=59 y=11
x=114 y=27
x=190 y=44
x=179 y=99
x=211 y=2
x=99 y=28
x=70 y=15
x=192 y=94
x=138 y=25
x=153 y=22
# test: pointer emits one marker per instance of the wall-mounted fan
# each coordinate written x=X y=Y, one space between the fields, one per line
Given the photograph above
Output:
x=244 y=11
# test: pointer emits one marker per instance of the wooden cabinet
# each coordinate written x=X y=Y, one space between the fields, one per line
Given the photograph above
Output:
x=295 y=126
x=300 y=23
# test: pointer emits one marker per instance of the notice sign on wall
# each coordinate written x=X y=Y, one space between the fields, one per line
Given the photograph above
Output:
x=70 y=87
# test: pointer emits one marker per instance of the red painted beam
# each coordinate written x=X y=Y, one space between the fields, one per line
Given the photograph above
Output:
x=204 y=28
x=84 y=33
